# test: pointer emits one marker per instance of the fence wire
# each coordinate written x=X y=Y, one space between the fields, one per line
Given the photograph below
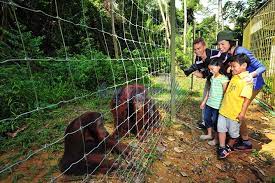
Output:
x=259 y=37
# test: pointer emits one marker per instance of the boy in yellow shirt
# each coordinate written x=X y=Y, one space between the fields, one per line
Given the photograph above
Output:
x=234 y=104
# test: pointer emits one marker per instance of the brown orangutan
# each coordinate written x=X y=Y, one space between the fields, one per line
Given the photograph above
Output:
x=133 y=111
x=87 y=134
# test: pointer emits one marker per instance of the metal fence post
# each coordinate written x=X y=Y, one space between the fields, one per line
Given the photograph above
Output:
x=172 y=58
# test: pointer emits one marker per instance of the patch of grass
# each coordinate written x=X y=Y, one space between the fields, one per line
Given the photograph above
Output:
x=50 y=172
x=268 y=158
x=226 y=180
x=33 y=170
x=206 y=163
x=44 y=127
x=255 y=153
x=151 y=157
x=17 y=177
x=167 y=122
x=4 y=175
x=264 y=156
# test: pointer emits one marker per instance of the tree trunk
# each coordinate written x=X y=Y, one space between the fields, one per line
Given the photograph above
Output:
x=113 y=29
x=185 y=26
x=167 y=31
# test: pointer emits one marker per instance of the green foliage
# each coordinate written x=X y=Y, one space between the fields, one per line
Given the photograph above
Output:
x=183 y=59
x=47 y=71
x=192 y=7
x=207 y=30
x=239 y=12
x=12 y=44
x=267 y=157
x=26 y=86
x=264 y=156
x=267 y=89
x=255 y=153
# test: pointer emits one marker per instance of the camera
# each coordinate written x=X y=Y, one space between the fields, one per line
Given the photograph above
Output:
x=189 y=70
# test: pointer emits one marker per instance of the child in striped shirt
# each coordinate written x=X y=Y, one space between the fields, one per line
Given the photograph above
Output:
x=213 y=99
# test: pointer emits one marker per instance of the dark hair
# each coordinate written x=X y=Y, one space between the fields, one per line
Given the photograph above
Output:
x=218 y=61
x=232 y=43
x=199 y=40
x=241 y=59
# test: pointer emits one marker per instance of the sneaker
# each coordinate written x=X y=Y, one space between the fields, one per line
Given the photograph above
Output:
x=222 y=152
x=213 y=142
x=243 y=145
x=205 y=137
x=200 y=126
x=228 y=148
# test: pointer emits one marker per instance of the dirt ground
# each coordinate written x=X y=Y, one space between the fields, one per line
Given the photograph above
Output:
x=185 y=158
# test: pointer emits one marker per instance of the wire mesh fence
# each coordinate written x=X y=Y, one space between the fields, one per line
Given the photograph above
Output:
x=259 y=37
x=62 y=93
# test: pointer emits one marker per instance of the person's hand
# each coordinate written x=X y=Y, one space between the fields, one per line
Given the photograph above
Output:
x=202 y=106
x=228 y=70
x=241 y=117
x=248 y=78
x=197 y=74
x=181 y=66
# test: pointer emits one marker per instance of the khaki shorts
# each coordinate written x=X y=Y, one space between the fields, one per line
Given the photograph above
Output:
x=228 y=125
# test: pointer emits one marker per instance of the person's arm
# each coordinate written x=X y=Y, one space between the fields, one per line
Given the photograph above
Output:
x=256 y=64
x=245 y=105
x=246 y=94
x=224 y=86
x=260 y=68
x=203 y=103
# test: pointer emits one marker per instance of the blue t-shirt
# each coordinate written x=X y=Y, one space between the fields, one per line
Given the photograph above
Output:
x=255 y=65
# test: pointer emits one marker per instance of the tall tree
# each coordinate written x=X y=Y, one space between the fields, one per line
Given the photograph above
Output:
x=185 y=26
x=114 y=36
x=238 y=13
x=165 y=18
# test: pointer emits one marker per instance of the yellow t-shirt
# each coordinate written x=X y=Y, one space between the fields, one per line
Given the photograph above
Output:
x=237 y=90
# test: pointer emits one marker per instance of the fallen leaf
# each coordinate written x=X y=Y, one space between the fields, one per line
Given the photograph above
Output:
x=263 y=158
x=161 y=149
x=167 y=163
x=264 y=118
x=171 y=138
x=183 y=174
x=13 y=134
x=219 y=167
x=178 y=149
x=266 y=131
x=176 y=126
x=164 y=143
x=179 y=133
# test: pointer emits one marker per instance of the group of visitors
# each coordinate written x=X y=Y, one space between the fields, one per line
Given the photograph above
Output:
x=233 y=79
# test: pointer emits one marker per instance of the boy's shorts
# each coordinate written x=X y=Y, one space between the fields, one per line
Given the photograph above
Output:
x=228 y=125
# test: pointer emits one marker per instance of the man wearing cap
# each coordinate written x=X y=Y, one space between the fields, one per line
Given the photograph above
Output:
x=228 y=44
